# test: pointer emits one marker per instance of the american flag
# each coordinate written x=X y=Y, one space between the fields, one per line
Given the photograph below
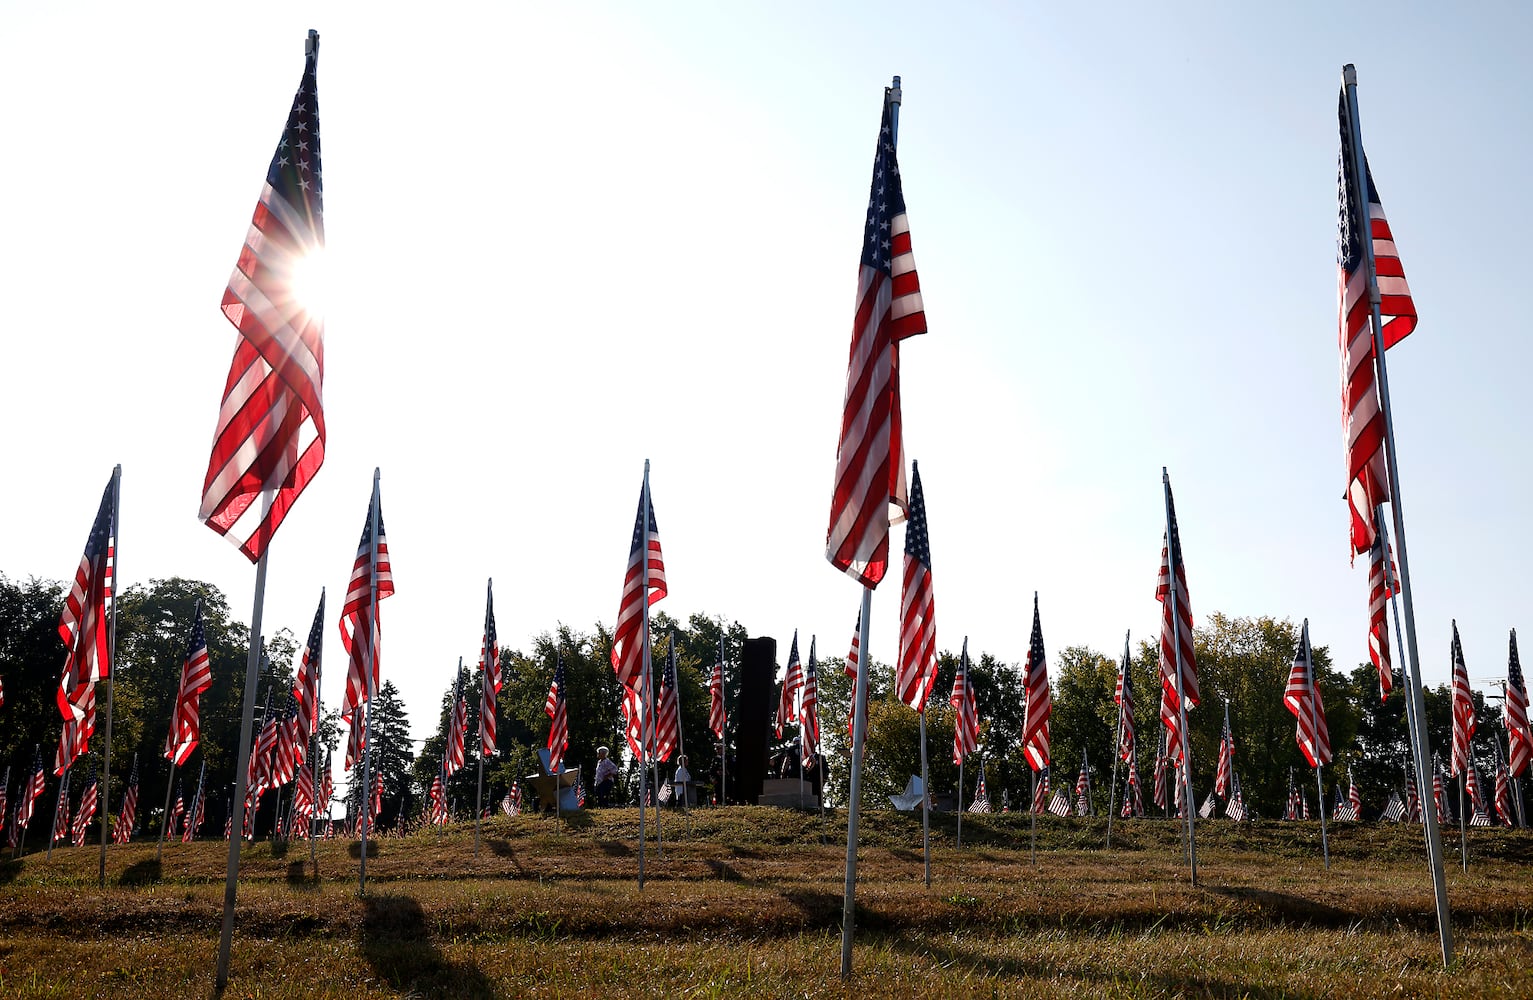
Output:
x=1035 y=682
x=129 y=814
x=1235 y=809
x=716 y=694
x=326 y=787
x=580 y=792
x=556 y=708
x=489 y=666
x=61 y=810
x=515 y=795
x=87 y=810
x=457 y=730
x=981 y=803
x=1303 y=805
x=83 y=628
x=1059 y=805
x=1176 y=641
x=1379 y=593
x=271 y=423
x=965 y=711
x=644 y=557
x=1162 y=762
x=917 y=670
x=792 y=683
x=1041 y=789
x=303 y=794
x=1472 y=788
x=1395 y=810
x=196 y=677
x=283 y=760
x=1439 y=792
x=5 y=790
x=375 y=802
x=1083 y=790
x=809 y=708
x=668 y=709
x=1124 y=696
x=31 y=790
x=306 y=687
x=1226 y=757
x=1302 y=698
x=1361 y=415
x=1412 y=796
x=438 y=802
x=356 y=737
x=633 y=718
x=1354 y=797
x=1133 y=795
x=178 y=809
x=1292 y=812
x=1503 y=792
x=1518 y=737
x=358 y=615
x=870 y=458
x=199 y=811
x=259 y=770
x=1206 y=810
x=852 y=656
x=1463 y=708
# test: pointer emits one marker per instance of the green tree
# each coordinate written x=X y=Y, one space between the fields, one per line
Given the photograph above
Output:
x=392 y=753
x=1083 y=719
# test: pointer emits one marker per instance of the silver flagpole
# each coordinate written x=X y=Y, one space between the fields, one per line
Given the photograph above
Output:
x=963 y=664
x=366 y=800
x=926 y=805
x=170 y=783
x=1314 y=688
x=484 y=678
x=61 y=796
x=242 y=757
x=724 y=737
x=960 y=799
x=1434 y=835
x=681 y=743
x=859 y=735
x=1117 y=743
x=314 y=745
x=1173 y=564
x=1417 y=763
x=105 y=785
x=644 y=664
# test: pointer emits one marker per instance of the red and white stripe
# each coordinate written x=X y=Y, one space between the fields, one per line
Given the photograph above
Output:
x=965 y=709
x=916 y=671
x=1035 y=685
x=1178 y=664
x=196 y=677
x=360 y=625
x=1379 y=593
x=716 y=696
x=1519 y=738
x=489 y=666
x=792 y=684
x=1302 y=698
x=1463 y=708
x=643 y=584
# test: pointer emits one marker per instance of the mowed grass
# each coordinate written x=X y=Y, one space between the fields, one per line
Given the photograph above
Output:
x=747 y=902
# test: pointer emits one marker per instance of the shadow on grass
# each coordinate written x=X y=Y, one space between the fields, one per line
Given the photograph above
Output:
x=615 y=848
x=725 y=871
x=299 y=876
x=1286 y=907
x=1038 y=970
x=397 y=943
x=8 y=870
x=819 y=908
x=373 y=850
x=140 y=873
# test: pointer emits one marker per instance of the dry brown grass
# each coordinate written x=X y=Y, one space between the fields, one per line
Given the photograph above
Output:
x=748 y=902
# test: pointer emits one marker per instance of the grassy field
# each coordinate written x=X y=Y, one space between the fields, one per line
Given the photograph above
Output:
x=747 y=902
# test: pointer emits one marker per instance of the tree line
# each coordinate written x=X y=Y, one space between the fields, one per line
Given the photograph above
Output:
x=1243 y=660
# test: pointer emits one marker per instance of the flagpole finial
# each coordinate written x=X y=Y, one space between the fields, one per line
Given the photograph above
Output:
x=894 y=91
x=311 y=44
x=1349 y=75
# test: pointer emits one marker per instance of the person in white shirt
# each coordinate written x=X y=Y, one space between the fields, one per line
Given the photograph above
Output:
x=606 y=776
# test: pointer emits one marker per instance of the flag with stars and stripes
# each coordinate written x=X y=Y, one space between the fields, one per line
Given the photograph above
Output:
x=1235 y=809
x=557 y=709
x=668 y=707
x=86 y=811
x=716 y=693
x=1162 y=766
x=1503 y=791
x=1083 y=790
x=306 y=686
x=643 y=584
x=1395 y=810
x=129 y=814
x=965 y=710
x=917 y=668
x=1035 y=684
x=809 y=709
x=792 y=683
x=196 y=677
x=438 y=802
x=1361 y=413
x=198 y=812
x=1178 y=666
x=457 y=730
x=1379 y=593
x=852 y=657
x=981 y=803
x=1518 y=737
x=372 y=580
x=270 y=438
x=1041 y=790
x=489 y=667
x=1133 y=794
x=1124 y=696
x=1302 y=698
x=1463 y=708
x=83 y=629
x=1226 y=766
x=31 y=790
x=870 y=453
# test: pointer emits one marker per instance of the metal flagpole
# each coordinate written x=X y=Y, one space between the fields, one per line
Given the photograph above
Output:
x=1173 y=564
x=960 y=799
x=197 y=799
x=314 y=747
x=105 y=785
x=1434 y=836
x=926 y=805
x=1032 y=812
x=1418 y=764
x=1117 y=743
x=859 y=736
x=170 y=783
x=1314 y=690
x=485 y=668
x=724 y=737
x=61 y=796
x=366 y=800
x=644 y=666
x=1463 y=822
x=681 y=743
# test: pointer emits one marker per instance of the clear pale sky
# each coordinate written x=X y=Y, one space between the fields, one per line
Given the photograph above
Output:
x=567 y=238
